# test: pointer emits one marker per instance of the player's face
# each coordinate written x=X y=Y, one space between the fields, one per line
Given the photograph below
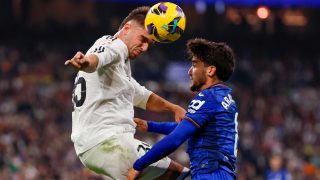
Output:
x=137 y=40
x=197 y=73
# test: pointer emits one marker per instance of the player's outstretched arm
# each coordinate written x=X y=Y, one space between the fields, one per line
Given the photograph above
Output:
x=156 y=127
x=158 y=104
x=83 y=63
x=164 y=147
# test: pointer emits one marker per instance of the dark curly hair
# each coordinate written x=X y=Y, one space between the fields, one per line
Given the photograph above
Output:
x=219 y=55
x=138 y=14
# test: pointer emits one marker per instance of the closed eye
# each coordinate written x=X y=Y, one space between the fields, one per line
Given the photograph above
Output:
x=144 y=39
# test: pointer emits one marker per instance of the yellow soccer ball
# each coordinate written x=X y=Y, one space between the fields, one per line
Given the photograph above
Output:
x=165 y=22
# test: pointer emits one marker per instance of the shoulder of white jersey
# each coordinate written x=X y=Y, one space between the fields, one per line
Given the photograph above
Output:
x=109 y=37
x=109 y=46
x=104 y=40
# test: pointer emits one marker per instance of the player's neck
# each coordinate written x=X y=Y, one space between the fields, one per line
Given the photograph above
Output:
x=210 y=82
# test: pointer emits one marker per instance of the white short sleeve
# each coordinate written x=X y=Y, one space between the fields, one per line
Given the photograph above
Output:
x=108 y=49
x=141 y=95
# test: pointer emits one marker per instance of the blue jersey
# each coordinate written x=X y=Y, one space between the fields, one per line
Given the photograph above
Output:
x=214 y=112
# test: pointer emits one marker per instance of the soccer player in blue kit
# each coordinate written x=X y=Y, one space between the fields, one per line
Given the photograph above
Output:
x=210 y=125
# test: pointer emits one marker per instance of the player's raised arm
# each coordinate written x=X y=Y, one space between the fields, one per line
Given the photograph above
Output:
x=158 y=104
x=83 y=63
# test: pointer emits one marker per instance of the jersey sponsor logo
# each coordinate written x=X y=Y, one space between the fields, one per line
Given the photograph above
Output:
x=195 y=105
x=227 y=101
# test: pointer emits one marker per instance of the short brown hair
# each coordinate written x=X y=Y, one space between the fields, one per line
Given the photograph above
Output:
x=138 y=14
x=213 y=53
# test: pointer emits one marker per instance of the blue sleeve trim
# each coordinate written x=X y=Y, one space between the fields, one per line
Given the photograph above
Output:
x=192 y=121
x=167 y=145
x=161 y=127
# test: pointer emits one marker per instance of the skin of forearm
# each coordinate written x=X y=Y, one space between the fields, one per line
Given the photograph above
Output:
x=157 y=104
x=92 y=63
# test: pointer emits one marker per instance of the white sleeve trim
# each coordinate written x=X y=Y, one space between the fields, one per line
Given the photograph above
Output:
x=141 y=95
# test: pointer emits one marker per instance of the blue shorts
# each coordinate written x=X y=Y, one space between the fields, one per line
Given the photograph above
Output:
x=217 y=174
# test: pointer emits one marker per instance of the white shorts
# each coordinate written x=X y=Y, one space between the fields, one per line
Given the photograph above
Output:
x=115 y=156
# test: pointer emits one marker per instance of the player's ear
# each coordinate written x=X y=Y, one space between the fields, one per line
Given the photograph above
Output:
x=126 y=27
x=211 y=71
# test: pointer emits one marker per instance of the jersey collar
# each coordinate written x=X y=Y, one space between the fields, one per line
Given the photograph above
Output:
x=218 y=84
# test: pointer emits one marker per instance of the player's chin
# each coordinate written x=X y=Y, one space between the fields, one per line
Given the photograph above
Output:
x=194 y=87
x=134 y=55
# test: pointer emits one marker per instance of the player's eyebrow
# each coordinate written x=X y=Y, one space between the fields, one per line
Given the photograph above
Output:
x=194 y=60
x=145 y=39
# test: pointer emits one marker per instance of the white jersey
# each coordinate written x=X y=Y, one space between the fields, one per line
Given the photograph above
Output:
x=103 y=100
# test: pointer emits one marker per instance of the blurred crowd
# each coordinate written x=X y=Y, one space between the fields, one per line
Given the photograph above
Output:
x=276 y=85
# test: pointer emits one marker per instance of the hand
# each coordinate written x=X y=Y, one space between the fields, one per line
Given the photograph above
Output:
x=142 y=125
x=79 y=61
x=132 y=174
x=179 y=113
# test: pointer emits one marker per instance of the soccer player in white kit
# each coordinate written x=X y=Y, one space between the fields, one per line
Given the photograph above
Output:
x=104 y=97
